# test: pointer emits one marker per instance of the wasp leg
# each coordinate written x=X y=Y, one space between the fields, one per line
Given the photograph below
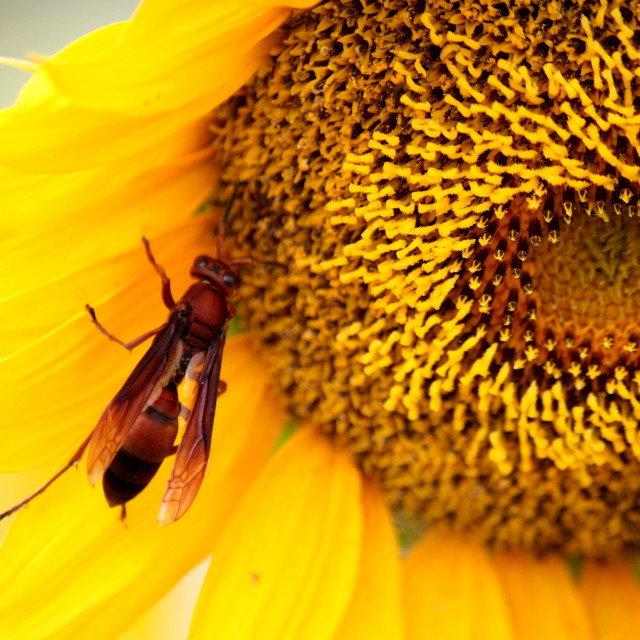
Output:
x=127 y=345
x=77 y=456
x=167 y=297
x=123 y=515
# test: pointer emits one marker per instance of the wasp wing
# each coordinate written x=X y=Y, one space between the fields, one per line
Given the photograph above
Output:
x=157 y=365
x=193 y=453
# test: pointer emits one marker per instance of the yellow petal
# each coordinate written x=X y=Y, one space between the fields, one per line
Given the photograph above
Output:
x=39 y=260
x=150 y=67
x=543 y=597
x=68 y=563
x=612 y=597
x=15 y=486
x=81 y=139
x=375 y=611
x=285 y=567
x=40 y=202
x=452 y=592
x=126 y=87
x=62 y=372
x=168 y=619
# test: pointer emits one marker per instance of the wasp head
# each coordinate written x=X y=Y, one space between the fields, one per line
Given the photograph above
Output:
x=217 y=271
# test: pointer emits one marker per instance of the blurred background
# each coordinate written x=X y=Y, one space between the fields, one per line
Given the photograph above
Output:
x=44 y=26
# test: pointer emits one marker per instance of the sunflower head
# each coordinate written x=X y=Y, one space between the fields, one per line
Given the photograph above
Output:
x=454 y=191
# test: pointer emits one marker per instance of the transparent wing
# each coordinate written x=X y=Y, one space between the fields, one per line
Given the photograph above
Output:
x=118 y=418
x=193 y=453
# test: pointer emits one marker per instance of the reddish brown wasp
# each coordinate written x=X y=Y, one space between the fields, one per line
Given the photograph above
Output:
x=138 y=428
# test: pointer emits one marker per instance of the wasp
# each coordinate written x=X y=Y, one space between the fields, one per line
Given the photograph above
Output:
x=138 y=429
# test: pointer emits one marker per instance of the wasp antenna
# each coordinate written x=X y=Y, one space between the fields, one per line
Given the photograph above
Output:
x=224 y=220
x=244 y=262
x=273 y=263
x=250 y=262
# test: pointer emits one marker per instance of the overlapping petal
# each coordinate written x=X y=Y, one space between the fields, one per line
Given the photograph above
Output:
x=286 y=565
x=68 y=562
x=219 y=39
x=66 y=166
x=138 y=79
x=611 y=593
x=48 y=269
x=38 y=203
x=543 y=597
x=452 y=592
x=375 y=610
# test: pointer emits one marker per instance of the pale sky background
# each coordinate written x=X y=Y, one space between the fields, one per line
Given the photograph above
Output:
x=44 y=26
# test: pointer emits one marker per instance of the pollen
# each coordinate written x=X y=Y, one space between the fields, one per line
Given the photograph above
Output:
x=452 y=190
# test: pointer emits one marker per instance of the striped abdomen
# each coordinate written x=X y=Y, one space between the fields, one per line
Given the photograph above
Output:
x=147 y=444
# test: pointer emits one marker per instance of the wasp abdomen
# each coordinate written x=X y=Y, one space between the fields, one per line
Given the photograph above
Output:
x=148 y=443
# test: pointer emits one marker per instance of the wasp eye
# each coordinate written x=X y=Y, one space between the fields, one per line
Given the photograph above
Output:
x=231 y=280
x=201 y=262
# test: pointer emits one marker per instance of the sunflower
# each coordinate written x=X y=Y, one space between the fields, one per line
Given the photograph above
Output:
x=441 y=200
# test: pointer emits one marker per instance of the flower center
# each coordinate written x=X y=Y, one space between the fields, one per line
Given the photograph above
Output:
x=453 y=192
x=595 y=287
